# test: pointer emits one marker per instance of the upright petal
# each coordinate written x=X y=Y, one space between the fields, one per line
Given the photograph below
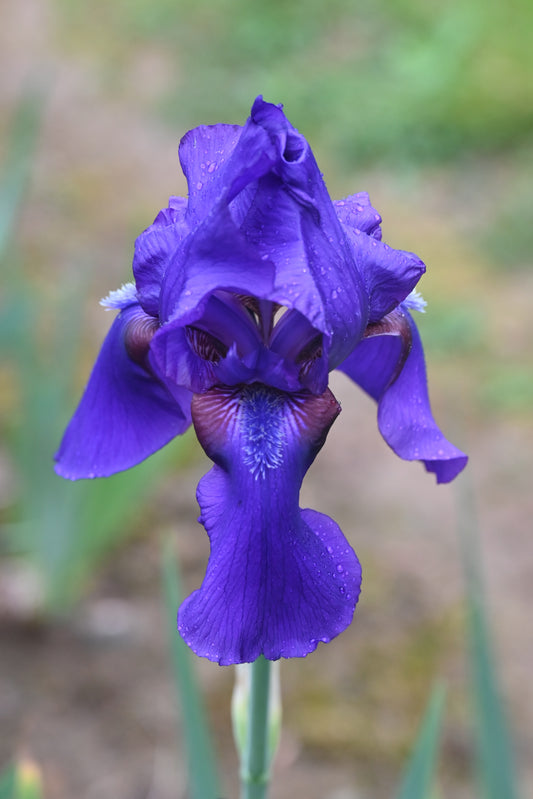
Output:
x=266 y=215
x=154 y=250
x=279 y=579
x=389 y=365
x=293 y=220
x=204 y=153
x=389 y=275
x=357 y=213
x=125 y=414
x=216 y=256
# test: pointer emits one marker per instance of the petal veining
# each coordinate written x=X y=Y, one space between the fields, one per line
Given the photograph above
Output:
x=279 y=579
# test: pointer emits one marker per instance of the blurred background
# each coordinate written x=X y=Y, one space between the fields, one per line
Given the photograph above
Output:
x=430 y=109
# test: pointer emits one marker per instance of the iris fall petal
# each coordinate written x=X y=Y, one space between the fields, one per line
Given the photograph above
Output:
x=389 y=365
x=279 y=579
x=125 y=414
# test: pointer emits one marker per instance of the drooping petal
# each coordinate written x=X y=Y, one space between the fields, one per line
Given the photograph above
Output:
x=125 y=414
x=279 y=580
x=389 y=365
x=154 y=250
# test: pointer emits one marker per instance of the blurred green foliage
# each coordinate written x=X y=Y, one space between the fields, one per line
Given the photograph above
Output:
x=21 y=781
x=376 y=81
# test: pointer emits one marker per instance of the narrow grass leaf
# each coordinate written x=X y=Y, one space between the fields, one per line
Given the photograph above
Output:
x=19 y=160
x=203 y=780
x=7 y=783
x=494 y=748
x=418 y=776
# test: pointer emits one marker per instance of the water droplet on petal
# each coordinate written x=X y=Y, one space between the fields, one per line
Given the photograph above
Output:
x=199 y=185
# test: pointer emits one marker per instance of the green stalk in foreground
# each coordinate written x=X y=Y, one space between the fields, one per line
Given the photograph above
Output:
x=253 y=720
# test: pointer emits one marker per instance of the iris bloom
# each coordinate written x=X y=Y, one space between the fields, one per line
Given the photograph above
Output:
x=247 y=294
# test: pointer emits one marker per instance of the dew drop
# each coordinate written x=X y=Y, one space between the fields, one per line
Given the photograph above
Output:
x=199 y=185
x=211 y=168
x=340 y=568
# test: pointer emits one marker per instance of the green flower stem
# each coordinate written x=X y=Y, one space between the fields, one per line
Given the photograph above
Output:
x=255 y=762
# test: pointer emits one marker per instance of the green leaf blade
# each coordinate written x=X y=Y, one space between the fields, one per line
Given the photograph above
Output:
x=200 y=754
x=418 y=776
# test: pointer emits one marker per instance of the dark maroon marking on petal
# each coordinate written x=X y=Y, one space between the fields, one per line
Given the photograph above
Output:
x=309 y=355
x=205 y=345
x=314 y=415
x=217 y=412
x=311 y=351
x=214 y=413
x=138 y=333
x=394 y=323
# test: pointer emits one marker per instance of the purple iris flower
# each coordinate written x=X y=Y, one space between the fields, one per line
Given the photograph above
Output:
x=247 y=294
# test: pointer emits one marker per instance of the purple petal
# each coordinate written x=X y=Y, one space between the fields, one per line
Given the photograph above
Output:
x=269 y=229
x=204 y=152
x=357 y=213
x=215 y=257
x=154 y=250
x=389 y=365
x=389 y=275
x=279 y=580
x=125 y=414
x=293 y=221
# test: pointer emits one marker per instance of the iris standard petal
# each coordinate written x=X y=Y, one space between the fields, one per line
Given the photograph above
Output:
x=154 y=250
x=204 y=153
x=125 y=414
x=271 y=189
x=356 y=212
x=389 y=275
x=389 y=365
x=292 y=222
x=215 y=257
x=279 y=579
